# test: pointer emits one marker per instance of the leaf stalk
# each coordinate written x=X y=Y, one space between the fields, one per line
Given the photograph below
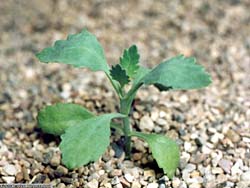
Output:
x=125 y=109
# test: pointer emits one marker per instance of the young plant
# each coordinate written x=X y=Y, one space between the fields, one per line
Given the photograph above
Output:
x=85 y=136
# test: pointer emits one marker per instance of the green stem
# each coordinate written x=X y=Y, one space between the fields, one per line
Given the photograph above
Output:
x=133 y=90
x=126 y=126
x=115 y=86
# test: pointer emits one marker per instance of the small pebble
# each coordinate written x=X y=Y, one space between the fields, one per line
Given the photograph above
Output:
x=19 y=177
x=190 y=167
x=115 y=180
x=176 y=182
x=136 y=184
x=149 y=173
x=61 y=171
x=233 y=136
x=55 y=160
x=115 y=172
x=129 y=177
x=107 y=185
x=61 y=185
x=245 y=176
x=195 y=185
x=118 y=186
x=8 y=179
x=67 y=180
x=217 y=170
x=146 y=123
x=124 y=182
x=152 y=185
x=10 y=169
x=92 y=184
x=225 y=165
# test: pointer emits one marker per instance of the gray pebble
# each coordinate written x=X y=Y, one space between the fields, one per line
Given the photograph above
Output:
x=115 y=181
x=245 y=176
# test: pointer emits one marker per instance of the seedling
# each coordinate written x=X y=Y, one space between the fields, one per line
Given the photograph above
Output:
x=85 y=136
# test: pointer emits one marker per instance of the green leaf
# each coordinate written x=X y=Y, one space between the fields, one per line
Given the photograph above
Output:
x=164 y=150
x=86 y=141
x=79 y=50
x=119 y=75
x=141 y=72
x=178 y=73
x=55 y=119
x=129 y=61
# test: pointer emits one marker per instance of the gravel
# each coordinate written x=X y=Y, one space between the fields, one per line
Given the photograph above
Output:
x=210 y=125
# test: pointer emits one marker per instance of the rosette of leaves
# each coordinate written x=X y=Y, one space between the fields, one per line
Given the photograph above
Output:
x=85 y=136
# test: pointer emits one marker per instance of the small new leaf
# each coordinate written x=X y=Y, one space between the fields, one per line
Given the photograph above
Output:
x=55 y=119
x=164 y=150
x=86 y=141
x=119 y=75
x=129 y=61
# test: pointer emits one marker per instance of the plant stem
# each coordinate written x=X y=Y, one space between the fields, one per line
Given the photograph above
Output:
x=126 y=126
x=127 y=130
x=117 y=89
x=133 y=90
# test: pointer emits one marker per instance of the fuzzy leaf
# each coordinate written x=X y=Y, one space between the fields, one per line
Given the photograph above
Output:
x=79 y=50
x=129 y=61
x=119 y=75
x=178 y=73
x=55 y=119
x=164 y=150
x=87 y=141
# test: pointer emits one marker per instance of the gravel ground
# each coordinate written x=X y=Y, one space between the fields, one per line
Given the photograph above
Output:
x=210 y=125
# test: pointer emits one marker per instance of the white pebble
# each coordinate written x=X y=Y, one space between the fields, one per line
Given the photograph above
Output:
x=161 y=121
x=162 y=114
x=8 y=179
x=176 y=182
x=92 y=184
x=129 y=177
x=154 y=115
x=183 y=99
x=146 y=123
x=245 y=139
x=152 y=185
x=217 y=170
x=190 y=167
x=187 y=146
x=245 y=176
x=65 y=94
x=10 y=169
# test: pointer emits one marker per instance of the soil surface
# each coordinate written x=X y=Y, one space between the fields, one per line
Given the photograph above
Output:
x=210 y=125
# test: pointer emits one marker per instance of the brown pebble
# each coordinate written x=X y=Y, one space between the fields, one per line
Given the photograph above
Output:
x=19 y=177
x=137 y=156
x=124 y=182
x=233 y=136
x=198 y=158
x=60 y=171
x=115 y=172
x=55 y=160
